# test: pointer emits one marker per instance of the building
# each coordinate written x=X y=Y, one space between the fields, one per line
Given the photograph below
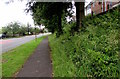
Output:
x=101 y=6
x=88 y=9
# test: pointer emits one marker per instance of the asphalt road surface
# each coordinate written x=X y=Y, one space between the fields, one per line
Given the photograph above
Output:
x=8 y=44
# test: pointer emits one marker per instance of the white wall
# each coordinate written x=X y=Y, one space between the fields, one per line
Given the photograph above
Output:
x=88 y=11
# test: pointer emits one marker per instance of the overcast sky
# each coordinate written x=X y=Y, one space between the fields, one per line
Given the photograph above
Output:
x=15 y=12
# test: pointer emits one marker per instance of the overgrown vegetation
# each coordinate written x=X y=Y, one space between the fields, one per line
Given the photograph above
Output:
x=13 y=60
x=93 y=52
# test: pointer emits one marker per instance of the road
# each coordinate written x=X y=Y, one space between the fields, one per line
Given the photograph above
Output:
x=8 y=44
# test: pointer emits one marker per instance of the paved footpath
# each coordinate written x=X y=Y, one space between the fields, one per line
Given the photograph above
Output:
x=38 y=64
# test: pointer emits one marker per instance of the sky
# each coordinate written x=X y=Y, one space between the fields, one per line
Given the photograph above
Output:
x=15 y=12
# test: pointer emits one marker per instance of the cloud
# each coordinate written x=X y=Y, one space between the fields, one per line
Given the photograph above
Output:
x=14 y=12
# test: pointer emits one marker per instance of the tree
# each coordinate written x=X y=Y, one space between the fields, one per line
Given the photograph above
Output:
x=28 y=28
x=11 y=29
x=15 y=28
x=48 y=11
x=23 y=30
x=79 y=14
x=6 y=30
x=31 y=30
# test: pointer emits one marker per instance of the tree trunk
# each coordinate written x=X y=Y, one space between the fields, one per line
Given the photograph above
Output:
x=60 y=31
x=13 y=34
x=79 y=14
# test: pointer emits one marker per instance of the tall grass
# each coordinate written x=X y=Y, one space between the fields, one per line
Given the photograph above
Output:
x=62 y=65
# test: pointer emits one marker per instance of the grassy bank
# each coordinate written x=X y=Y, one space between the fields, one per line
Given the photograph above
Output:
x=93 y=52
x=13 y=60
x=62 y=65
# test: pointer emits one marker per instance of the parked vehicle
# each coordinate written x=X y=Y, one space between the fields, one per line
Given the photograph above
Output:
x=2 y=36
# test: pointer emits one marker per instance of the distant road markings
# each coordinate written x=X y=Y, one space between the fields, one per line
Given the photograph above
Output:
x=5 y=41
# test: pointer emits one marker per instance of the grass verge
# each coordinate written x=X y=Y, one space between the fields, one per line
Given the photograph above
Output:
x=13 y=60
x=62 y=66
